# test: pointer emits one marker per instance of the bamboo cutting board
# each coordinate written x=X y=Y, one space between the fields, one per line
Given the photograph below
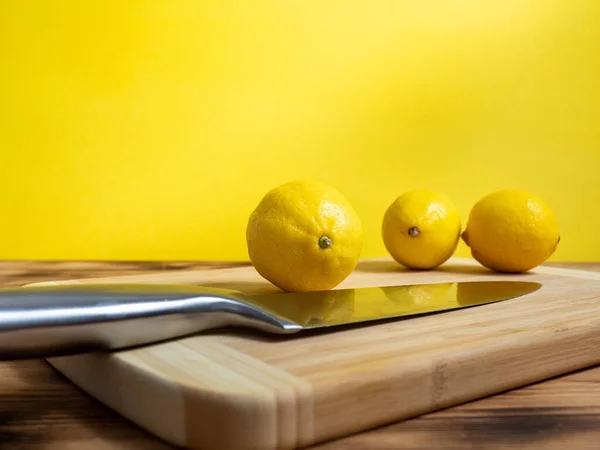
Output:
x=244 y=390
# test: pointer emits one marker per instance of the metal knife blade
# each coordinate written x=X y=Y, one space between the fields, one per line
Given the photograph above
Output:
x=53 y=320
x=346 y=306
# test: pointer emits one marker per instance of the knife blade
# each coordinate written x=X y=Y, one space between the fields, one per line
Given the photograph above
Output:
x=53 y=320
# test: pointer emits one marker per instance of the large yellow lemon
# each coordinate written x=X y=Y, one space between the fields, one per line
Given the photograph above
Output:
x=511 y=231
x=421 y=229
x=304 y=236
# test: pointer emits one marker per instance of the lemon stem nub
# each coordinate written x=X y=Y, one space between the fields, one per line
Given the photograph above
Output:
x=324 y=241
x=414 y=231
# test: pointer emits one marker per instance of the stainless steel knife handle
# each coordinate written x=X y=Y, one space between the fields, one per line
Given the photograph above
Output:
x=44 y=321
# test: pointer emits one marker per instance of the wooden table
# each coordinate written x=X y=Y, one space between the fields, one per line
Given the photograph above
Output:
x=40 y=409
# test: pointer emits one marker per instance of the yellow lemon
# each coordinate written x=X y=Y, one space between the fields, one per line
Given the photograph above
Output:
x=421 y=229
x=511 y=231
x=304 y=236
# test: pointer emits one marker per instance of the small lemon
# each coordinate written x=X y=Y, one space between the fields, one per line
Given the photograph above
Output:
x=421 y=229
x=304 y=236
x=511 y=231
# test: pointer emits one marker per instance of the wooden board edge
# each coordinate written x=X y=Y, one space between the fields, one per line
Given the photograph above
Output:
x=269 y=408
x=184 y=276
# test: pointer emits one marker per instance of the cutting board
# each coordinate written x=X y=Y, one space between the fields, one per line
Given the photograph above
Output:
x=245 y=390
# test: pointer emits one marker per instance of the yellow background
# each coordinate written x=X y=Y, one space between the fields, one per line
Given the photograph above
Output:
x=150 y=129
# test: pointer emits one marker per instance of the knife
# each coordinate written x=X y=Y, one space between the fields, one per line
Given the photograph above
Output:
x=54 y=320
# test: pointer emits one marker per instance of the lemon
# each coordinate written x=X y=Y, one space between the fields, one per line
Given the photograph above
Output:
x=304 y=236
x=421 y=229
x=511 y=231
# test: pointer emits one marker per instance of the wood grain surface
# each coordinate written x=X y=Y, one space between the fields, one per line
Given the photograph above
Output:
x=40 y=409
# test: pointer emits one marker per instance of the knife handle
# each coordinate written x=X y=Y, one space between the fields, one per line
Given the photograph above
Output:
x=46 y=321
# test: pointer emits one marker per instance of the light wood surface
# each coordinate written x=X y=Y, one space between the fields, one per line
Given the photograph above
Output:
x=40 y=409
x=239 y=391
